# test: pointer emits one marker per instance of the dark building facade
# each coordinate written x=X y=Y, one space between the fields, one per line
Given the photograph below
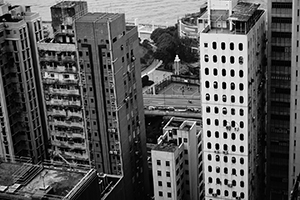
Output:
x=110 y=71
x=279 y=84
x=21 y=132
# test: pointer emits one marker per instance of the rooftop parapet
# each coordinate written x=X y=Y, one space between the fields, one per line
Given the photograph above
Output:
x=244 y=16
x=24 y=180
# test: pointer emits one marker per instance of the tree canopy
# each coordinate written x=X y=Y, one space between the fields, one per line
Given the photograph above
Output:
x=169 y=44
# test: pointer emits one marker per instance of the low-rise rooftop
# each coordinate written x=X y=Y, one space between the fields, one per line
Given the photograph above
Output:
x=99 y=17
x=243 y=11
x=168 y=146
x=25 y=180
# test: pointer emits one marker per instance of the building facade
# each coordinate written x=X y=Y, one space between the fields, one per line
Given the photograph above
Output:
x=21 y=123
x=279 y=102
x=112 y=93
x=233 y=100
x=59 y=68
x=294 y=139
x=177 y=165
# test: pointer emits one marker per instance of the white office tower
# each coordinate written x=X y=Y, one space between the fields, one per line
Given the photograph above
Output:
x=233 y=96
x=177 y=162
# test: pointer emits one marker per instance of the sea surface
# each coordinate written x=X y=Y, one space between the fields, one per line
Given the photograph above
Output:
x=160 y=12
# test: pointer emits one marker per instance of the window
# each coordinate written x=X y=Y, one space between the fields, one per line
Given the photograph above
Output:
x=233 y=136
x=216 y=85
x=225 y=170
x=241 y=60
x=240 y=46
x=185 y=140
x=159 y=183
x=158 y=173
x=210 y=168
x=215 y=59
x=167 y=163
x=160 y=193
x=241 y=112
x=241 y=99
x=215 y=72
x=224 y=98
x=210 y=179
x=224 y=86
x=214 y=45
x=232 y=99
x=241 y=73
x=206 y=71
x=169 y=195
x=207 y=84
x=231 y=46
x=168 y=184
x=242 y=137
x=209 y=145
x=223 y=72
x=207 y=109
x=232 y=73
x=216 y=110
x=208 y=121
x=232 y=59
x=232 y=111
x=241 y=149
x=233 y=148
x=223 y=58
x=209 y=156
x=224 y=110
x=241 y=86
x=168 y=174
x=216 y=97
x=205 y=45
x=206 y=58
x=223 y=45
x=216 y=122
x=208 y=134
x=232 y=86
x=242 y=161
x=207 y=97
x=217 y=134
x=242 y=172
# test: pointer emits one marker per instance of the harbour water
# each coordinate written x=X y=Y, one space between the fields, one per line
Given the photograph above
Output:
x=161 y=12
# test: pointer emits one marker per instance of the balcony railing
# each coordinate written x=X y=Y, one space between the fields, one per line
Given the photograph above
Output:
x=60 y=69
x=64 y=91
x=57 y=112
x=58 y=102
x=74 y=114
x=67 y=123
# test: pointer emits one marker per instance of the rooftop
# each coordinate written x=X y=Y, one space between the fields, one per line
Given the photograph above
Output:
x=99 y=17
x=243 y=11
x=67 y=4
x=169 y=146
x=47 y=179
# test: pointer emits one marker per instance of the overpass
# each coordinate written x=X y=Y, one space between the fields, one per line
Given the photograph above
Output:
x=173 y=113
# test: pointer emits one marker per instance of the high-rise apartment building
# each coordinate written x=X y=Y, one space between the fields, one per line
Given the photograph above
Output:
x=21 y=132
x=110 y=73
x=294 y=139
x=279 y=85
x=177 y=162
x=233 y=99
x=62 y=86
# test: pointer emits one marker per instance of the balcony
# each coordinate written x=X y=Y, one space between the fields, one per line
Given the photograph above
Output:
x=74 y=155
x=64 y=91
x=58 y=102
x=75 y=103
x=69 y=81
x=60 y=69
x=74 y=114
x=67 y=124
x=74 y=145
x=57 y=112
x=49 y=81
